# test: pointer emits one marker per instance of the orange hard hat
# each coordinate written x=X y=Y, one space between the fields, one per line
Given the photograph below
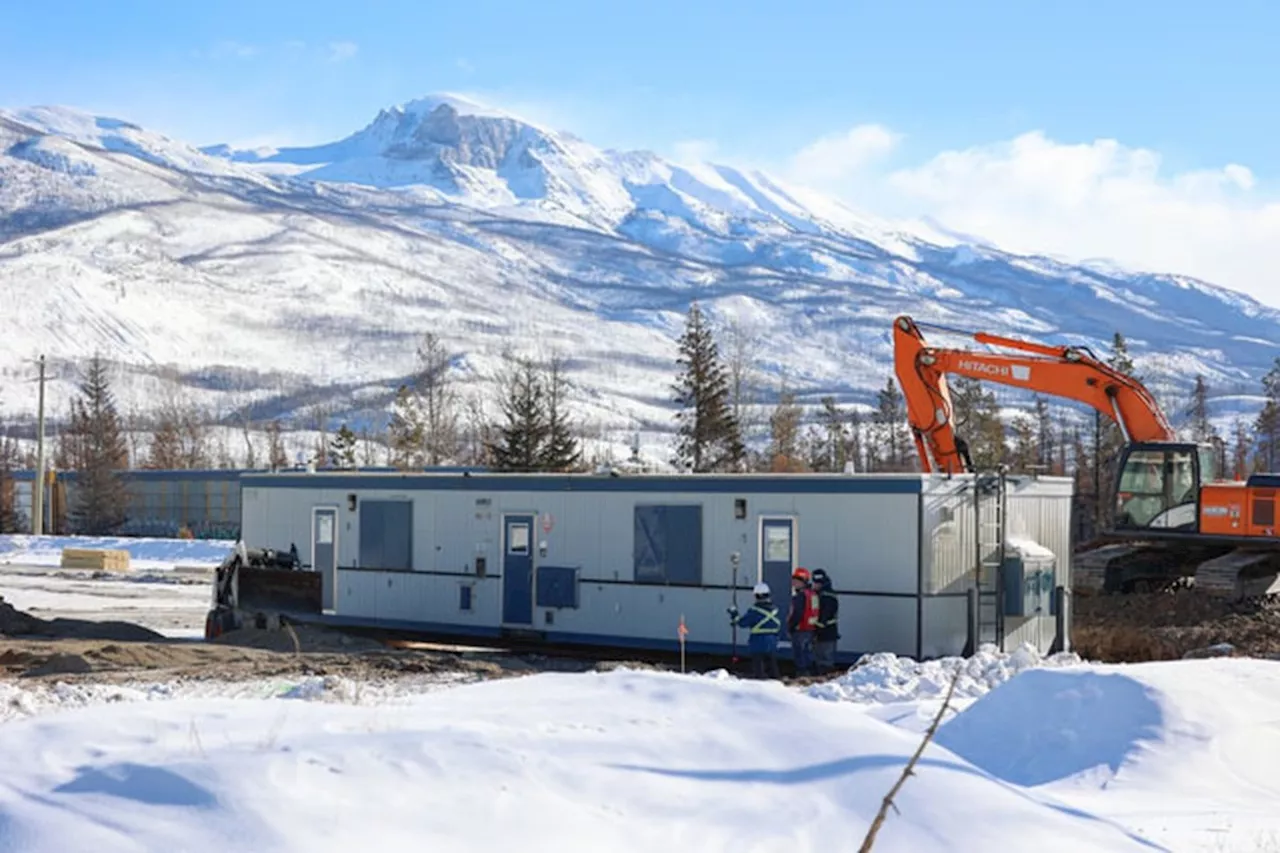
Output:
x=800 y=574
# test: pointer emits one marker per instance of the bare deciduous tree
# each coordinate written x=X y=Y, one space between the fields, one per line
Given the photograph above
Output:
x=437 y=400
x=784 y=433
x=180 y=435
x=741 y=343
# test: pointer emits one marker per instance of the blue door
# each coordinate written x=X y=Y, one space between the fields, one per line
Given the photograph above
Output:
x=517 y=570
x=777 y=561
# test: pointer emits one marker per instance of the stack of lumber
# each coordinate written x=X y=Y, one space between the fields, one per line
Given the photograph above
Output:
x=98 y=559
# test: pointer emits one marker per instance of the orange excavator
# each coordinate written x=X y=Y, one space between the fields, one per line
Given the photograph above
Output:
x=1175 y=513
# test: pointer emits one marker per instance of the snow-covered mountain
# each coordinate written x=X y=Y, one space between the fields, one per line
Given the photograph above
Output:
x=301 y=277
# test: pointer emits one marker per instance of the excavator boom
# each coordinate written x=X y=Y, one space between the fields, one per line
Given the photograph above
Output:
x=1167 y=492
x=1070 y=372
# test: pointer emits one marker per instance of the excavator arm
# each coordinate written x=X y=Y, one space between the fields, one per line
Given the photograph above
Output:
x=1062 y=371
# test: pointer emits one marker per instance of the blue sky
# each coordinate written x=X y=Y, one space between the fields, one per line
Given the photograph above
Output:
x=756 y=82
x=1165 y=75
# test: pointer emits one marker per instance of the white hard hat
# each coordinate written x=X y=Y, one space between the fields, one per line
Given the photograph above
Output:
x=761 y=589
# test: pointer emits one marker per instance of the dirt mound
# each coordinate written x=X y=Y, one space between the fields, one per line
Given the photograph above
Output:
x=16 y=623
x=60 y=664
x=1168 y=625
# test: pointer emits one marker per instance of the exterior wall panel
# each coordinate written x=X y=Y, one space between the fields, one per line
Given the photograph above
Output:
x=864 y=531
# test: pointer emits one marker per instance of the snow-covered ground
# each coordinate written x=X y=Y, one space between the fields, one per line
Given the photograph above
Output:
x=1169 y=756
x=174 y=606
x=146 y=554
x=1047 y=753
x=164 y=590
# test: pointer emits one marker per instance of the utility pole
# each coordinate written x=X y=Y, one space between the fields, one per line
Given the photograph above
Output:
x=37 y=494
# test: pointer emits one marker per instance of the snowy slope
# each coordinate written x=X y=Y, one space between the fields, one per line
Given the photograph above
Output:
x=1184 y=753
x=619 y=762
x=297 y=277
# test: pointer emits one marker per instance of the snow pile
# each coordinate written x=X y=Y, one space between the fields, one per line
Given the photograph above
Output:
x=1183 y=752
x=619 y=761
x=20 y=699
x=151 y=554
x=884 y=677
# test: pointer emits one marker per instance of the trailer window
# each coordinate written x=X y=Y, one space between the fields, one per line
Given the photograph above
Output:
x=668 y=545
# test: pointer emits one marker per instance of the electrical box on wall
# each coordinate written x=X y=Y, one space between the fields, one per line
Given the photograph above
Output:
x=1029 y=573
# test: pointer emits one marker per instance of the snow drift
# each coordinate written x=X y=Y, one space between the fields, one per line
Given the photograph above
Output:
x=1184 y=752
x=623 y=761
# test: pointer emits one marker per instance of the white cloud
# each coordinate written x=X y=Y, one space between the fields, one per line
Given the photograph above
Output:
x=1100 y=199
x=841 y=155
x=464 y=65
x=690 y=152
x=341 y=51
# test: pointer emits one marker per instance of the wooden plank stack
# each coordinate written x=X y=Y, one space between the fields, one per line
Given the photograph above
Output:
x=97 y=559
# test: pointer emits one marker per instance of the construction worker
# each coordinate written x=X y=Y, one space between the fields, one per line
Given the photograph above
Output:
x=802 y=621
x=828 y=632
x=764 y=622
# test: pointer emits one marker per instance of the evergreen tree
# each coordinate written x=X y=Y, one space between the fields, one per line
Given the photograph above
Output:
x=709 y=437
x=342 y=449
x=1267 y=426
x=561 y=451
x=101 y=496
x=975 y=417
x=1197 y=412
x=1045 y=440
x=891 y=417
x=522 y=438
x=834 y=439
x=1120 y=358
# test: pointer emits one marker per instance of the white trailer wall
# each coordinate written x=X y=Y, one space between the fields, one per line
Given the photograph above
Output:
x=899 y=592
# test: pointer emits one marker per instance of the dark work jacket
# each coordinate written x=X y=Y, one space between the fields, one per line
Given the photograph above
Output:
x=828 y=611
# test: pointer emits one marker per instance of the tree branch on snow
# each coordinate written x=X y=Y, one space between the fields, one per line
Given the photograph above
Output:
x=908 y=770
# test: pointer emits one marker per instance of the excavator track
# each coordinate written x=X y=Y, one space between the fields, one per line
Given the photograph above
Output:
x=1238 y=573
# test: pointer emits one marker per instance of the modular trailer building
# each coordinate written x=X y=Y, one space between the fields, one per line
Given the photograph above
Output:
x=923 y=565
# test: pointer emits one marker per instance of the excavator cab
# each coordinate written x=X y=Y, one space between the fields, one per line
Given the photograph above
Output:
x=1159 y=485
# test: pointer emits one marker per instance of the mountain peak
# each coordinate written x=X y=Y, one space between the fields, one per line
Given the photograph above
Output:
x=459 y=104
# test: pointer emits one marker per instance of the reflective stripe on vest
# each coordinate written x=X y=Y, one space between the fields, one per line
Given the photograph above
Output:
x=762 y=627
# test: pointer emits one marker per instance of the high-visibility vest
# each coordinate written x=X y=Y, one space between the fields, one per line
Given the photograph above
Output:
x=770 y=624
x=809 y=618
